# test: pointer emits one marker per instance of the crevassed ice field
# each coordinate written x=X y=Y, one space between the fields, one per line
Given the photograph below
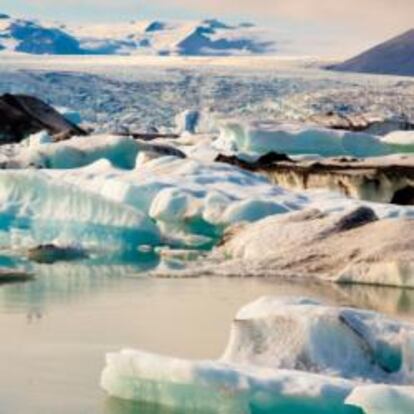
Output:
x=110 y=195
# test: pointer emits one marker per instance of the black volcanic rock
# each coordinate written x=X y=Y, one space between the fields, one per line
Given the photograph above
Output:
x=22 y=115
x=394 y=57
x=264 y=161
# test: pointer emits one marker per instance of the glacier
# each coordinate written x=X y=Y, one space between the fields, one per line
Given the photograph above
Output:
x=277 y=89
x=279 y=358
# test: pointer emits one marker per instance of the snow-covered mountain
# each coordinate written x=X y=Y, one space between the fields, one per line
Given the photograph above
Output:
x=394 y=57
x=194 y=38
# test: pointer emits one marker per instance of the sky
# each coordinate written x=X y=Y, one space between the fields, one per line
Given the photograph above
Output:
x=330 y=25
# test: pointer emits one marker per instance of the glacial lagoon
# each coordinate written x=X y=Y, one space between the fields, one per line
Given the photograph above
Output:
x=57 y=328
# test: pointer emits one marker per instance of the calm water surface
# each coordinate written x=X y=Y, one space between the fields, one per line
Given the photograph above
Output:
x=56 y=330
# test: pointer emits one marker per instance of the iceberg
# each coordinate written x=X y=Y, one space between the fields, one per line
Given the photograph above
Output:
x=37 y=209
x=191 y=202
x=185 y=196
x=80 y=151
x=303 y=335
x=322 y=244
x=216 y=387
x=122 y=152
x=262 y=138
x=280 y=358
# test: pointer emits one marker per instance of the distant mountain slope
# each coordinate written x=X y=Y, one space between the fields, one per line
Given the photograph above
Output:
x=394 y=57
x=208 y=37
x=31 y=37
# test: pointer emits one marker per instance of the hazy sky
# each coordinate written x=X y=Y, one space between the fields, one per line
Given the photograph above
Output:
x=334 y=25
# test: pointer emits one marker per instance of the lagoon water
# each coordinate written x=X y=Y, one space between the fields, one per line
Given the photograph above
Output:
x=56 y=330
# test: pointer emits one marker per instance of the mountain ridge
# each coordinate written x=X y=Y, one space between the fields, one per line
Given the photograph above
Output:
x=392 y=57
x=209 y=37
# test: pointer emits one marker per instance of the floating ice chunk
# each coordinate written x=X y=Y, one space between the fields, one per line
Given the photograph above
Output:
x=307 y=336
x=78 y=152
x=284 y=355
x=208 y=386
x=37 y=209
x=383 y=399
x=262 y=138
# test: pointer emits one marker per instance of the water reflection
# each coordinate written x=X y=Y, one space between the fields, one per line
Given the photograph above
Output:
x=393 y=301
x=65 y=281
x=74 y=313
x=117 y=406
